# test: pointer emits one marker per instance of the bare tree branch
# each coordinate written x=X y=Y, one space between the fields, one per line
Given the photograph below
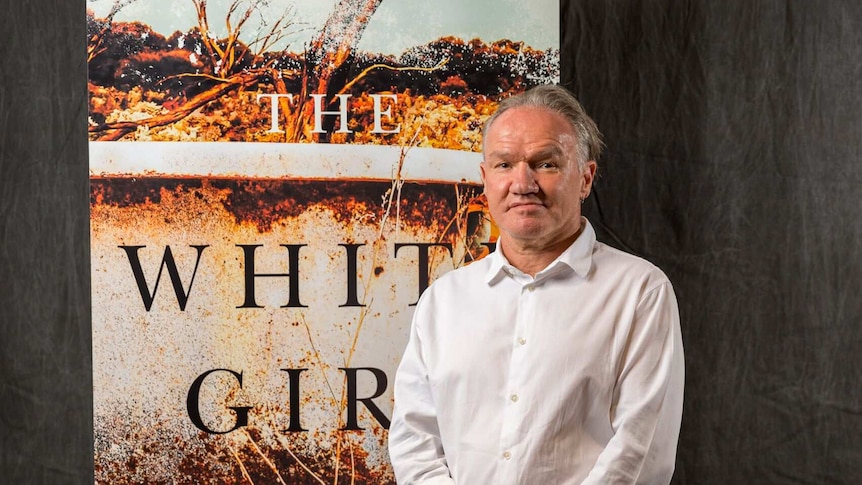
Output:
x=119 y=129
x=384 y=66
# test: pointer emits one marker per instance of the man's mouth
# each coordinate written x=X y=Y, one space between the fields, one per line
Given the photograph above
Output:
x=525 y=203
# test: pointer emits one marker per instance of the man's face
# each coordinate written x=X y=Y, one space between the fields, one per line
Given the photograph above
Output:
x=532 y=179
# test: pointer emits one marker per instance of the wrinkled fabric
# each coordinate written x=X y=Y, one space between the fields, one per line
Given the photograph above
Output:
x=734 y=135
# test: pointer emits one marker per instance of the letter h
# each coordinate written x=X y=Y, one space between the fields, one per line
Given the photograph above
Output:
x=250 y=275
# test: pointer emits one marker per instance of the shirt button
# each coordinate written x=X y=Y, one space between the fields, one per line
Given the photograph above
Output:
x=522 y=341
x=514 y=398
x=506 y=455
x=531 y=288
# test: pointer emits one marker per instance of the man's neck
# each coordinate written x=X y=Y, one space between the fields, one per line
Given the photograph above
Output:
x=532 y=258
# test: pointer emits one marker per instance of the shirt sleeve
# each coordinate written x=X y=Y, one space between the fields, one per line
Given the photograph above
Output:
x=647 y=403
x=415 y=447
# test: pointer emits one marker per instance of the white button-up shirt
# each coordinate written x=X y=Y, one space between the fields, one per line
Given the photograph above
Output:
x=572 y=377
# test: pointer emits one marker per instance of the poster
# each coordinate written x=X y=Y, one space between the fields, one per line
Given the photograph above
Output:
x=273 y=185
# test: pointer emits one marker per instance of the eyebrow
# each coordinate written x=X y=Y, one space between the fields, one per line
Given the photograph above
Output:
x=548 y=152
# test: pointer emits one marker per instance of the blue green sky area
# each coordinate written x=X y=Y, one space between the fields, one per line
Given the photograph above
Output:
x=396 y=26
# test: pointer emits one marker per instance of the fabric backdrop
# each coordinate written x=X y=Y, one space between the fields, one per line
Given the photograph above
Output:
x=734 y=134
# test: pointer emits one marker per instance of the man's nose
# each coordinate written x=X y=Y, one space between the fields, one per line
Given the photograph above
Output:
x=524 y=179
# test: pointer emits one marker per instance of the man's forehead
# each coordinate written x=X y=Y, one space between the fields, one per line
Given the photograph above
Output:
x=518 y=122
x=539 y=149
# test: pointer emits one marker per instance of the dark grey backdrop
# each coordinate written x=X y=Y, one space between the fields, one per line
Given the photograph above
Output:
x=734 y=134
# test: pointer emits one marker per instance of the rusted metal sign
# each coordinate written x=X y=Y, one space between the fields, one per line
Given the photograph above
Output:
x=263 y=221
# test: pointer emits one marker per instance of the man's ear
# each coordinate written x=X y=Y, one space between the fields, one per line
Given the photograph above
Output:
x=588 y=175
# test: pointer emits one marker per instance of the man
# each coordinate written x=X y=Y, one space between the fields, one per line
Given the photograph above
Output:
x=554 y=360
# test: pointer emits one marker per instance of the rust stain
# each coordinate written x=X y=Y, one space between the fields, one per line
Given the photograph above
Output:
x=262 y=452
x=296 y=459
x=264 y=202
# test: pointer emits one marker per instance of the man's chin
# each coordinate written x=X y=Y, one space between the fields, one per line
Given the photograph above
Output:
x=525 y=230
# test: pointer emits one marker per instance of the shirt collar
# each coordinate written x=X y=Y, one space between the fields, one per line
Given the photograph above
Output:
x=578 y=257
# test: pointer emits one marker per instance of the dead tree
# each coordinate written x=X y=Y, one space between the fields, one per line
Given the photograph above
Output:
x=328 y=52
x=223 y=57
x=224 y=54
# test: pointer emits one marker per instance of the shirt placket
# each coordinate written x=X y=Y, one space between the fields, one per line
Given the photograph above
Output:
x=512 y=453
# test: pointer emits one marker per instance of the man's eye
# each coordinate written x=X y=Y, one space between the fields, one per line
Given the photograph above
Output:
x=547 y=165
x=502 y=165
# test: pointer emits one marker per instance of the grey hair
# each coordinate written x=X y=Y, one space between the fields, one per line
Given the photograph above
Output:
x=558 y=100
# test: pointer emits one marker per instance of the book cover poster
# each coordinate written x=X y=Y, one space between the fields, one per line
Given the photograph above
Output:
x=273 y=185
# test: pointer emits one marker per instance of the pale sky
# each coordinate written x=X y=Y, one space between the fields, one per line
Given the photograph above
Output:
x=396 y=26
